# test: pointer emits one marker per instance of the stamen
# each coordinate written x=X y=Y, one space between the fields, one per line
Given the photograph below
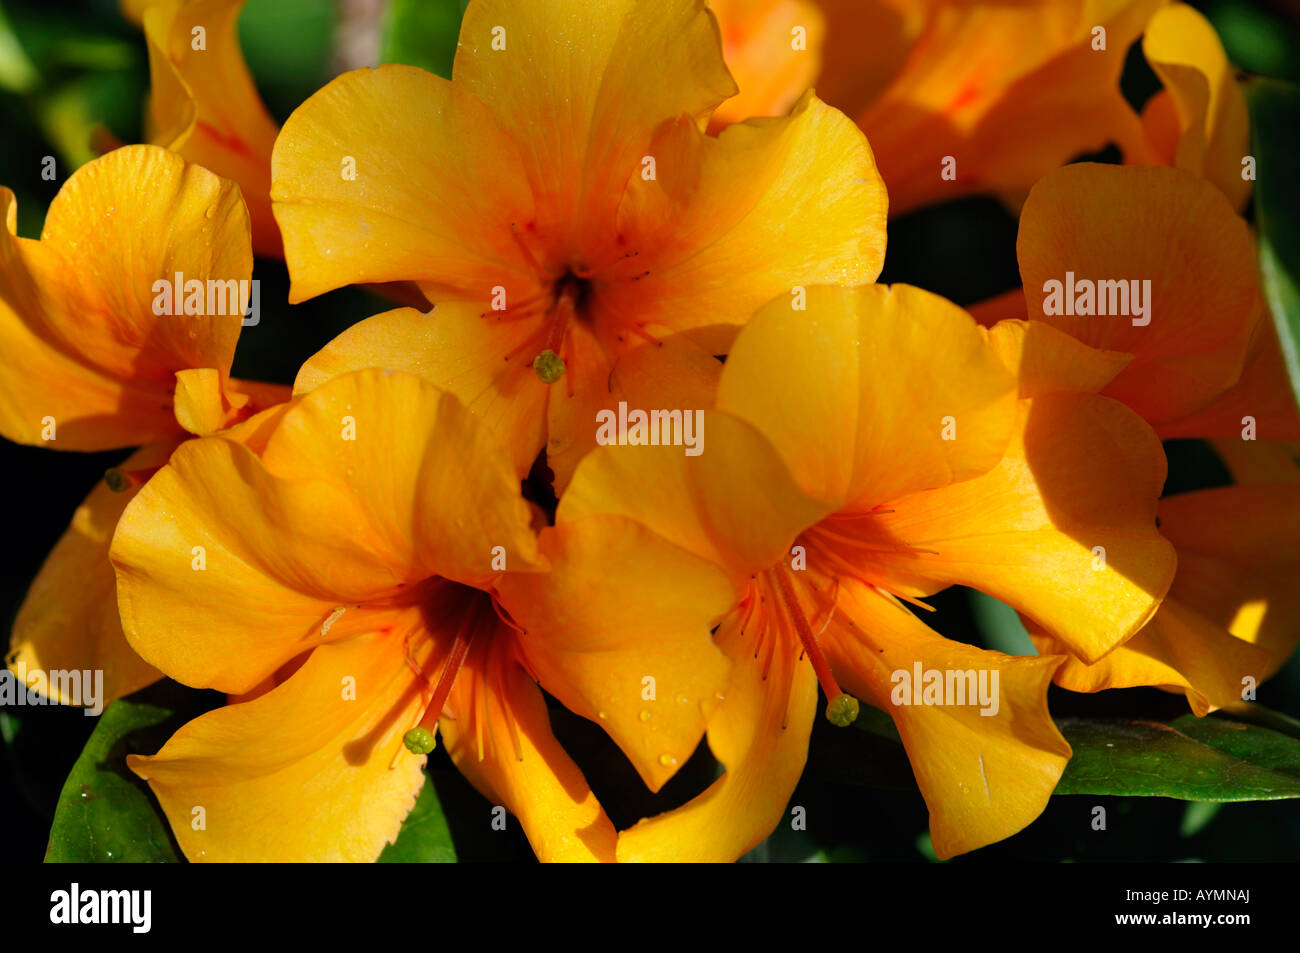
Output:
x=842 y=709
x=420 y=738
x=548 y=364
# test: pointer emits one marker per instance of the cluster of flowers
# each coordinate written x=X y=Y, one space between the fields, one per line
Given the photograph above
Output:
x=591 y=217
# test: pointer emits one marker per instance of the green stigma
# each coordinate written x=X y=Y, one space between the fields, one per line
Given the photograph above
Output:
x=842 y=710
x=549 y=366
x=116 y=480
x=420 y=740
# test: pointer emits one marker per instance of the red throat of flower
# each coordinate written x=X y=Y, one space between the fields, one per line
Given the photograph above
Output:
x=841 y=708
x=477 y=622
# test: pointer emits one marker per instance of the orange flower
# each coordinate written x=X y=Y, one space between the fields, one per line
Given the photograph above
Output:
x=377 y=536
x=865 y=454
x=956 y=96
x=560 y=203
x=93 y=365
x=1202 y=360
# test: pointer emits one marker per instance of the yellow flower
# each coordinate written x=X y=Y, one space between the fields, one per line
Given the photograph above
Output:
x=865 y=454
x=559 y=202
x=379 y=533
x=92 y=364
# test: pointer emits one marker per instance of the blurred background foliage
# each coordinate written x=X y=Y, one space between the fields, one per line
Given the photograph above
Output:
x=74 y=76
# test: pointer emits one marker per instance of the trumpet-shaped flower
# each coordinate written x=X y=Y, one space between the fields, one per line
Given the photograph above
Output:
x=863 y=455
x=559 y=202
x=377 y=540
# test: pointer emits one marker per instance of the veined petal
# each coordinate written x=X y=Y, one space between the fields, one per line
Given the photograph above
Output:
x=836 y=390
x=69 y=619
x=1050 y=530
x=500 y=738
x=773 y=49
x=1214 y=129
x=97 y=344
x=309 y=771
x=203 y=103
x=760 y=731
x=581 y=87
x=395 y=174
x=728 y=223
x=986 y=770
x=618 y=631
x=1096 y=224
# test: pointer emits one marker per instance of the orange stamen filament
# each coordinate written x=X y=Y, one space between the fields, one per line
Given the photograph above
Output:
x=806 y=634
x=455 y=659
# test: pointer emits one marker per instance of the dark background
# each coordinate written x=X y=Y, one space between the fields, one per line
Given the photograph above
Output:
x=81 y=65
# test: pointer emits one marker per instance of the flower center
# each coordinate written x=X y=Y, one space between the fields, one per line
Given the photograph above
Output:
x=475 y=615
x=841 y=708
x=570 y=297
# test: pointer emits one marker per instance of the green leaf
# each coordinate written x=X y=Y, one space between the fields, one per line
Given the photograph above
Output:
x=1275 y=119
x=999 y=626
x=1193 y=759
x=105 y=813
x=422 y=33
x=425 y=837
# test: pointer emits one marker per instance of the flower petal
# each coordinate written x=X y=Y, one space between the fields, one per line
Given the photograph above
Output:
x=420 y=170
x=454 y=347
x=1046 y=360
x=204 y=106
x=581 y=86
x=1214 y=129
x=69 y=619
x=78 y=311
x=1109 y=223
x=1009 y=91
x=728 y=223
x=1050 y=530
x=501 y=740
x=772 y=48
x=836 y=390
x=985 y=772
x=734 y=504
x=310 y=771
x=760 y=732
x=618 y=631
